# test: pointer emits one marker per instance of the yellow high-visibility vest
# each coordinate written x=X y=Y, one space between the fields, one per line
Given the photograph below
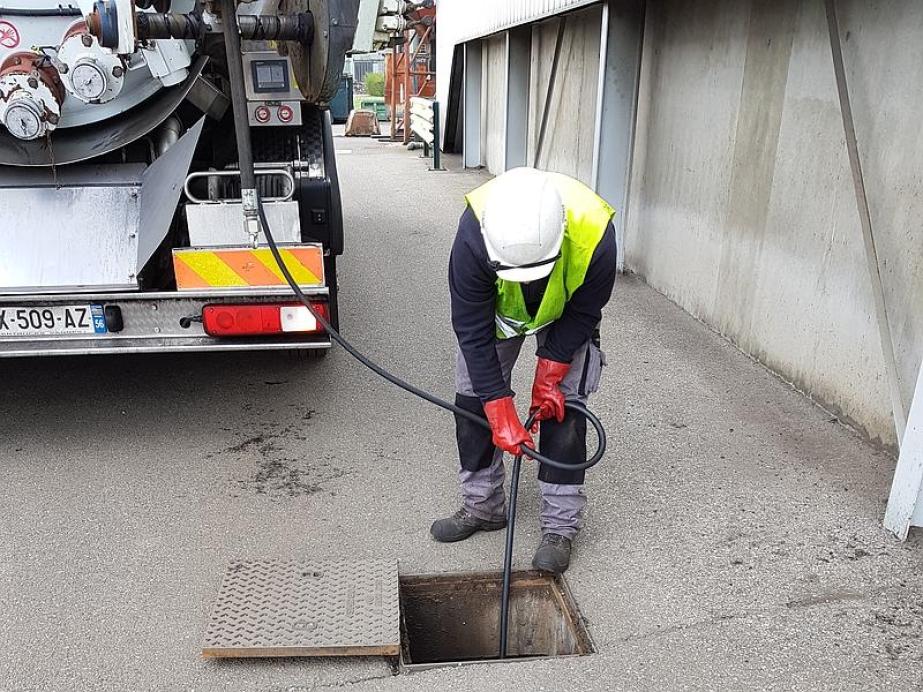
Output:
x=586 y=217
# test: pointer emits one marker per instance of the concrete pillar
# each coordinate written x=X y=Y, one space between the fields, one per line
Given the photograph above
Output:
x=621 y=30
x=518 y=67
x=471 y=106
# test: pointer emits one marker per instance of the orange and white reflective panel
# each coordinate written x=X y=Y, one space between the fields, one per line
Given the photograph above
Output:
x=240 y=268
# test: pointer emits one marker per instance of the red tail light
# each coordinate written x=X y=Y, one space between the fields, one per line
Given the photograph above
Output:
x=255 y=319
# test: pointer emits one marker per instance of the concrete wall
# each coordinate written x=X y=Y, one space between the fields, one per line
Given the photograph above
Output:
x=742 y=208
x=569 y=135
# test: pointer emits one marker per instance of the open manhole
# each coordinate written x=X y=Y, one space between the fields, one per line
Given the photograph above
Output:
x=449 y=619
x=364 y=608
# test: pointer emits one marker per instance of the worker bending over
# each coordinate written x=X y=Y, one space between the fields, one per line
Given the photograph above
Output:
x=535 y=253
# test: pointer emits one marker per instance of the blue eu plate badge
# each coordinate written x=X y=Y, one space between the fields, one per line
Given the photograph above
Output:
x=99 y=319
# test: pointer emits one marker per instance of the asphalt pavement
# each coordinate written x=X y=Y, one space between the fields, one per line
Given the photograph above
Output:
x=734 y=537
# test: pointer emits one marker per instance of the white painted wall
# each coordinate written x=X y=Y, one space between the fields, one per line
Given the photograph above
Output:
x=493 y=102
x=462 y=20
x=742 y=208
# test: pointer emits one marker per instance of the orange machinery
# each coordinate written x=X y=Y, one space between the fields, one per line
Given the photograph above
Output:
x=401 y=83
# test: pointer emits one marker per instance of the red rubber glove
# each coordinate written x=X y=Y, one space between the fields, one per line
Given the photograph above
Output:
x=508 y=431
x=547 y=398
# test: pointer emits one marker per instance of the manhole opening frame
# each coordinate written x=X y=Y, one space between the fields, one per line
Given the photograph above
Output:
x=485 y=586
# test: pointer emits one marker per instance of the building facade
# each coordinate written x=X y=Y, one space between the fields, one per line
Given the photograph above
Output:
x=715 y=129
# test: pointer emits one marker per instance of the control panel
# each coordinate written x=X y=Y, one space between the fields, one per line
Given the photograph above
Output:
x=274 y=112
x=273 y=97
x=268 y=77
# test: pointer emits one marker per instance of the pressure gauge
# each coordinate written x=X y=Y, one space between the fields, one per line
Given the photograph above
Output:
x=23 y=119
x=88 y=81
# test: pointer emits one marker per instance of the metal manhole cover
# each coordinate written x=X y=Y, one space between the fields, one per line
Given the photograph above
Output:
x=301 y=608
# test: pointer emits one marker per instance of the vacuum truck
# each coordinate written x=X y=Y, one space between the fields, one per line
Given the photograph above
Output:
x=124 y=226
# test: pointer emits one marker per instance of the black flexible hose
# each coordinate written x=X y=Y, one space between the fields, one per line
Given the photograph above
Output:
x=574 y=406
x=246 y=157
x=247 y=177
x=296 y=27
x=416 y=391
x=239 y=102
x=511 y=528
x=508 y=550
x=164 y=26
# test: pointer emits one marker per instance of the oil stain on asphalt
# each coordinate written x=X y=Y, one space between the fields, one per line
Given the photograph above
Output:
x=281 y=465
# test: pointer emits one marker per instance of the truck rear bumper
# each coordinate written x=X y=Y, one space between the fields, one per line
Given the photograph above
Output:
x=157 y=323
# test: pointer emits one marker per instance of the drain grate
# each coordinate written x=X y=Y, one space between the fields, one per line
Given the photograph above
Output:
x=300 y=608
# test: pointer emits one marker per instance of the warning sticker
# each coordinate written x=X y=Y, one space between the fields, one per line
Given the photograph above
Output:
x=9 y=35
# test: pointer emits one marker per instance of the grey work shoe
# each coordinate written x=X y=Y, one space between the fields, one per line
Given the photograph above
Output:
x=462 y=525
x=553 y=554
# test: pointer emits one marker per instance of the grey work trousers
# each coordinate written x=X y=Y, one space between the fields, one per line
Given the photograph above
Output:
x=563 y=503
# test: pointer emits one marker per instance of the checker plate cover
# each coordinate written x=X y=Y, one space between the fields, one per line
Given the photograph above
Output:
x=306 y=608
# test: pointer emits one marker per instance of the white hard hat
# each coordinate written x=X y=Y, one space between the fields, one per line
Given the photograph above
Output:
x=523 y=225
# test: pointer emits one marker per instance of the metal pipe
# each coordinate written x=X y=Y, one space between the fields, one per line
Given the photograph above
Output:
x=169 y=134
x=213 y=195
x=423 y=42
x=406 y=86
x=559 y=40
x=241 y=122
x=394 y=61
x=437 y=149
x=423 y=39
x=54 y=12
x=898 y=410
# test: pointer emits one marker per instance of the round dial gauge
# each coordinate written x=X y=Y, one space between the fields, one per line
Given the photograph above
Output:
x=23 y=121
x=88 y=81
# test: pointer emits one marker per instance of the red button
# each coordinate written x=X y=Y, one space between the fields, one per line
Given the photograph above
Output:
x=262 y=114
x=285 y=114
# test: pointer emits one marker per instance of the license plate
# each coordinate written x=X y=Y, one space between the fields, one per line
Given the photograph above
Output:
x=52 y=320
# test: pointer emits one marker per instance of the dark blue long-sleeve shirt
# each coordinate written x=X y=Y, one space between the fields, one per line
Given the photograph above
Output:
x=473 y=291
